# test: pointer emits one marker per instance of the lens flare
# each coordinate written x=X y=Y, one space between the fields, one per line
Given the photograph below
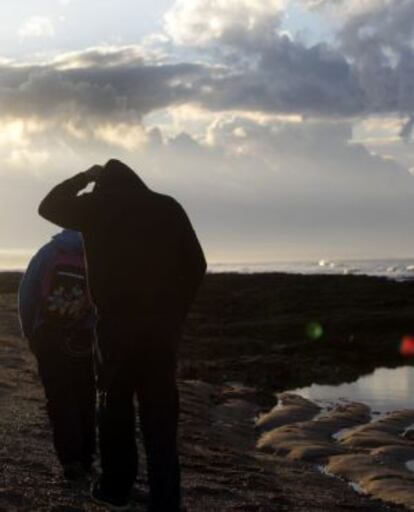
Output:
x=314 y=330
x=407 y=346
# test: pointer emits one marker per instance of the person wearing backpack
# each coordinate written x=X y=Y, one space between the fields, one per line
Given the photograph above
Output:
x=145 y=265
x=57 y=318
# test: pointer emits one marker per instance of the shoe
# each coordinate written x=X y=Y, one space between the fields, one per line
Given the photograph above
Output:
x=100 y=497
x=74 y=472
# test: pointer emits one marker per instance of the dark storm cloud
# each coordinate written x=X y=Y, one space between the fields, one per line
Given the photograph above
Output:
x=380 y=43
x=369 y=71
x=118 y=90
x=286 y=78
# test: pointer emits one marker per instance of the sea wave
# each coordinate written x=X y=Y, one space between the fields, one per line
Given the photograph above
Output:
x=394 y=269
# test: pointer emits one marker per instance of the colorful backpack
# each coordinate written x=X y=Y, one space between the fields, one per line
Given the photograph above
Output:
x=65 y=298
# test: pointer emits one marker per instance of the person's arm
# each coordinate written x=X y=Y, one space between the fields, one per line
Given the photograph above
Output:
x=194 y=264
x=64 y=207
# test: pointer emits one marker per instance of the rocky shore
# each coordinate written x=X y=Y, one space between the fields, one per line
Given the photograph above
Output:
x=247 y=337
x=345 y=442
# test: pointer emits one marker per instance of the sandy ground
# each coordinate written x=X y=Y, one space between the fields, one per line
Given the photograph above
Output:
x=222 y=469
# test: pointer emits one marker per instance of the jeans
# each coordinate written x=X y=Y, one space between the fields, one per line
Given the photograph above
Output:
x=143 y=365
x=69 y=385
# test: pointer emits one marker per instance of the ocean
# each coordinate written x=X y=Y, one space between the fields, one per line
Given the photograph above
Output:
x=399 y=269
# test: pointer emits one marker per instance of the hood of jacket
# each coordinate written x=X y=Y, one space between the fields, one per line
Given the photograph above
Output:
x=69 y=241
x=118 y=177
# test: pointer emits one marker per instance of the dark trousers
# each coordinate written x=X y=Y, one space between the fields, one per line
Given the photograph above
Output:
x=70 y=392
x=146 y=369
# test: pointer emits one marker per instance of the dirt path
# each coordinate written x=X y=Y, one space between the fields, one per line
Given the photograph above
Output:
x=222 y=470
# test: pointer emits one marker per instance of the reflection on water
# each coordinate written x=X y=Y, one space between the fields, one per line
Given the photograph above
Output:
x=384 y=390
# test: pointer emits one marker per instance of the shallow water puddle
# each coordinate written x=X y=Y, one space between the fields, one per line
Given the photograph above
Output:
x=360 y=432
x=383 y=391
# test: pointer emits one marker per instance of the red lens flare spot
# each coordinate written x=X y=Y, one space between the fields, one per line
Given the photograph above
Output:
x=407 y=346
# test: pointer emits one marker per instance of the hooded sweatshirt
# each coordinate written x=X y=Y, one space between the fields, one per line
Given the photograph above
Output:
x=30 y=302
x=144 y=259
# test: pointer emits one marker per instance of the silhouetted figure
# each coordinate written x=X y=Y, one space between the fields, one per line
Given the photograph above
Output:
x=145 y=265
x=56 y=316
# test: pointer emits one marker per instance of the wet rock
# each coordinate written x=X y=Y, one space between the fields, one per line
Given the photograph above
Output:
x=199 y=387
x=236 y=411
x=312 y=440
x=236 y=390
x=399 y=491
x=387 y=481
x=290 y=409
x=362 y=468
x=385 y=431
x=381 y=449
x=394 y=454
x=409 y=434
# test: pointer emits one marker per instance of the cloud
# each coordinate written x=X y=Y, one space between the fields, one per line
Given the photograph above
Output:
x=246 y=124
x=380 y=43
x=117 y=85
x=407 y=129
x=37 y=27
x=288 y=78
x=200 y=22
x=126 y=83
x=369 y=72
x=129 y=137
x=282 y=188
x=107 y=56
x=256 y=187
x=345 y=7
x=18 y=132
x=244 y=62
x=27 y=159
x=293 y=190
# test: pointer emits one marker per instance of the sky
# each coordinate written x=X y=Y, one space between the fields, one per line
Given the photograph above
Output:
x=284 y=127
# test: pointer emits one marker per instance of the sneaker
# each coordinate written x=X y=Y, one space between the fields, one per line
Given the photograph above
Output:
x=74 y=472
x=99 y=496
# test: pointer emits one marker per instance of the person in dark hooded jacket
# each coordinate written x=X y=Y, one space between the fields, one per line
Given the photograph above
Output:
x=63 y=352
x=145 y=265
